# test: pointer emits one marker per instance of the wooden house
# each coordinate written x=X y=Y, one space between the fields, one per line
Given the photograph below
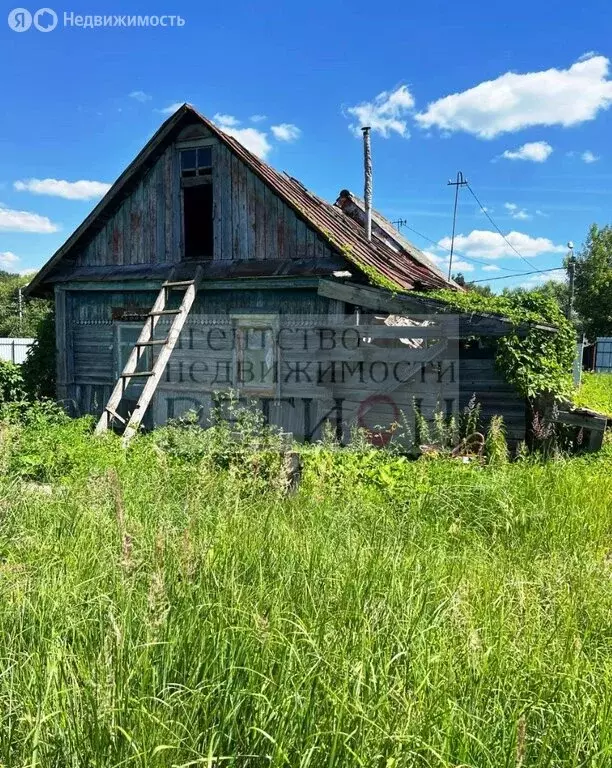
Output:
x=271 y=261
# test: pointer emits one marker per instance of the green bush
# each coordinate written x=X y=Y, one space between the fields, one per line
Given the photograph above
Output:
x=41 y=413
x=236 y=439
x=38 y=369
x=11 y=382
x=51 y=447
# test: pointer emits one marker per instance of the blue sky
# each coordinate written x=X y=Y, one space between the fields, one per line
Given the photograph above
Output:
x=535 y=145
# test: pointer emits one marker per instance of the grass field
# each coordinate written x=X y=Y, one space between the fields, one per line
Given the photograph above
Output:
x=162 y=612
x=596 y=392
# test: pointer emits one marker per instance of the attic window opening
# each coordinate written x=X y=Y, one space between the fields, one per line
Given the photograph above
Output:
x=196 y=163
x=198 y=221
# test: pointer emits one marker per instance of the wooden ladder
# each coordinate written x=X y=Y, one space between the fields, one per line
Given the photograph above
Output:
x=146 y=340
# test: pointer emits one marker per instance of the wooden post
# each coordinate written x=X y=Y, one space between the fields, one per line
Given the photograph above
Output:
x=61 y=346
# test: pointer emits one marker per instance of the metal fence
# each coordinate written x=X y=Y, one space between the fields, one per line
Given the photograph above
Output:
x=603 y=355
x=14 y=350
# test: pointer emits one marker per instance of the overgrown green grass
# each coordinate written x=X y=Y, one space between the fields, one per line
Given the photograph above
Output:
x=595 y=392
x=161 y=612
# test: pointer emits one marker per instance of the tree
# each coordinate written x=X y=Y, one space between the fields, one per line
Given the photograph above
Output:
x=593 y=284
x=32 y=310
x=481 y=288
x=552 y=289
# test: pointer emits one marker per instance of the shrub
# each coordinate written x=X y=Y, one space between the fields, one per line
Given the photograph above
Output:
x=537 y=363
x=51 y=448
x=42 y=413
x=11 y=382
x=237 y=439
x=38 y=370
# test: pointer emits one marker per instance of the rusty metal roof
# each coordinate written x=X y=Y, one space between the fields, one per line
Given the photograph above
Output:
x=354 y=207
x=399 y=267
x=380 y=264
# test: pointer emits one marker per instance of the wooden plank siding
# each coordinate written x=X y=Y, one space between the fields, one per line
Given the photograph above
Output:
x=249 y=221
x=91 y=365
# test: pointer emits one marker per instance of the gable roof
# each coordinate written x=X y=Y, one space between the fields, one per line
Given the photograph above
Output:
x=398 y=268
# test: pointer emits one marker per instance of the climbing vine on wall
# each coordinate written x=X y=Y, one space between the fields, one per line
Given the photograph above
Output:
x=538 y=362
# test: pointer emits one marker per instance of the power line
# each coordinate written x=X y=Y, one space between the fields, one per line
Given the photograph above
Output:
x=459 y=253
x=486 y=213
x=481 y=261
x=518 y=274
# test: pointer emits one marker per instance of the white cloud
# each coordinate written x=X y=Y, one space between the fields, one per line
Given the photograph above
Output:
x=8 y=259
x=228 y=121
x=385 y=114
x=254 y=140
x=513 y=101
x=491 y=268
x=171 y=108
x=140 y=96
x=459 y=265
x=558 y=276
x=24 y=221
x=535 y=151
x=517 y=213
x=485 y=244
x=258 y=118
x=588 y=157
x=286 y=132
x=69 y=190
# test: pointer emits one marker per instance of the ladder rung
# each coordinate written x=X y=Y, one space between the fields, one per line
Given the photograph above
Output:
x=178 y=284
x=151 y=343
x=166 y=345
x=115 y=415
x=164 y=312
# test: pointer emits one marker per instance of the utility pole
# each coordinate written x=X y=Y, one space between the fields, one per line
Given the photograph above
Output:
x=461 y=182
x=20 y=304
x=399 y=223
x=571 y=269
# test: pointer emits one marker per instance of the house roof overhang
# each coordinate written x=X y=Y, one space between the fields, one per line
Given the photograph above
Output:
x=468 y=323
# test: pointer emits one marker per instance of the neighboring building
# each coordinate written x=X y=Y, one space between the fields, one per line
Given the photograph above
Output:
x=276 y=261
x=603 y=354
x=15 y=350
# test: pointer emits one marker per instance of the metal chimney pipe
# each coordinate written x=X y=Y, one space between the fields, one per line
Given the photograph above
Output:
x=367 y=189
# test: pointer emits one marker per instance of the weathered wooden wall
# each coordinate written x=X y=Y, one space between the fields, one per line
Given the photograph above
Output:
x=249 y=221
x=88 y=371
x=478 y=375
x=145 y=228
